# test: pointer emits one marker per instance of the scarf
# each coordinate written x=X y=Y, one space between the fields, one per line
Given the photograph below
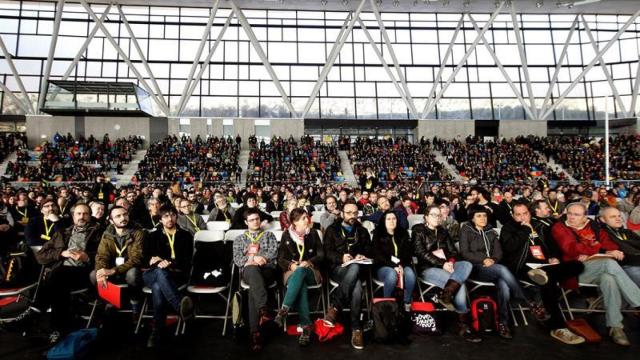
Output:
x=297 y=236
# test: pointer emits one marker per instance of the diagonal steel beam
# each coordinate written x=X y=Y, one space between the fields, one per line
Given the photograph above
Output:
x=556 y=73
x=205 y=64
x=16 y=76
x=463 y=60
x=258 y=48
x=636 y=90
x=396 y=64
x=52 y=50
x=443 y=65
x=402 y=94
x=335 y=51
x=196 y=59
x=134 y=40
x=503 y=71
x=124 y=56
x=82 y=49
x=13 y=97
x=603 y=65
x=523 y=59
x=593 y=62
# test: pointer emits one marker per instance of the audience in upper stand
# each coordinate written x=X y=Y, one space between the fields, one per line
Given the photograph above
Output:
x=287 y=161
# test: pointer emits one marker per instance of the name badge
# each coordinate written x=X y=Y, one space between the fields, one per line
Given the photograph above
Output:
x=253 y=249
x=395 y=260
x=100 y=196
x=536 y=252
x=24 y=220
x=120 y=260
x=45 y=237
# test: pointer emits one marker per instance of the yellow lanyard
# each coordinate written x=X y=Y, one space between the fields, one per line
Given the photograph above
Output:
x=621 y=237
x=172 y=239
x=24 y=214
x=193 y=221
x=120 y=251
x=554 y=208
x=63 y=209
x=395 y=246
x=226 y=218
x=533 y=235
x=47 y=229
x=256 y=239
x=300 y=250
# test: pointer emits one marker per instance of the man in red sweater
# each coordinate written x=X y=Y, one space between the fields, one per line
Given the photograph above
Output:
x=581 y=239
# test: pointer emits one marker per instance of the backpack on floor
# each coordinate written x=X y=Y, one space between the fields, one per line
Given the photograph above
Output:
x=389 y=324
x=75 y=346
x=484 y=314
x=237 y=316
x=425 y=319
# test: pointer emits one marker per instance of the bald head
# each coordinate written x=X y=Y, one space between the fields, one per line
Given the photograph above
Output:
x=612 y=217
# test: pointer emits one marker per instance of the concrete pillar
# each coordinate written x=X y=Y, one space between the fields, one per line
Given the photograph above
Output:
x=288 y=127
x=198 y=127
x=513 y=128
x=246 y=128
x=445 y=129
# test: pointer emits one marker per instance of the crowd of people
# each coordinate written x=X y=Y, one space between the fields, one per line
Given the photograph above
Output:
x=393 y=161
x=188 y=160
x=144 y=235
x=68 y=159
x=516 y=159
x=583 y=157
x=10 y=142
x=288 y=161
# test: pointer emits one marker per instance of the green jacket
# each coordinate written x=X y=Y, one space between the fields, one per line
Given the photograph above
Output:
x=107 y=250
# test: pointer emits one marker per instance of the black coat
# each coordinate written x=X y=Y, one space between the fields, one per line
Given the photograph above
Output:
x=515 y=242
x=288 y=250
x=157 y=244
x=426 y=241
x=383 y=248
x=338 y=242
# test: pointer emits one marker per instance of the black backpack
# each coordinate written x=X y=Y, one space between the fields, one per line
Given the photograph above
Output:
x=390 y=325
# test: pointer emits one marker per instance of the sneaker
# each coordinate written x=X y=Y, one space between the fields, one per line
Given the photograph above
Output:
x=618 y=336
x=538 y=276
x=357 y=339
x=504 y=331
x=54 y=337
x=186 y=308
x=256 y=341
x=538 y=312
x=281 y=316
x=305 y=337
x=566 y=336
x=331 y=317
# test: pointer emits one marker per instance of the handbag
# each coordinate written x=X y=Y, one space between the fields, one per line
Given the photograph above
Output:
x=425 y=320
x=326 y=333
x=582 y=328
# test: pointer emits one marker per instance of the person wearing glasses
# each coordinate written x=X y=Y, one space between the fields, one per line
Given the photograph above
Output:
x=440 y=264
x=188 y=219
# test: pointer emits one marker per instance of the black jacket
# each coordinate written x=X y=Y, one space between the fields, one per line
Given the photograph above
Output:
x=338 y=242
x=475 y=245
x=383 y=248
x=51 y=252
x=426 y=241
x=628 y=242
x=35 y=229
x=515 y=240
x=288 y=250
x=157 y=244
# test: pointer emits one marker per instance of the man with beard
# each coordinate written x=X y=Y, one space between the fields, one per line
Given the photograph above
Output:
x=119 y=255
x=68 y=258
x=222 y=211
x=168 y=252
x=40 y=229
x=345 y=241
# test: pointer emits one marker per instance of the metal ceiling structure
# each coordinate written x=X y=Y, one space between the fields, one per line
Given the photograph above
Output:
x=620 y=7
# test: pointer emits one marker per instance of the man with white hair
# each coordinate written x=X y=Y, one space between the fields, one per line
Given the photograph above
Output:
x=582 y=239
x=627 y=240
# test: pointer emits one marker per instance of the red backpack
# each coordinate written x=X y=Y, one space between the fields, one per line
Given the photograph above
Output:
x=484 y=314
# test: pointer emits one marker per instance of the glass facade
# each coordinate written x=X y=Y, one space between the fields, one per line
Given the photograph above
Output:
x=298 y=43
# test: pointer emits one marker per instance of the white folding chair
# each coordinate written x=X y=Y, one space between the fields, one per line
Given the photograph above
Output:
x=316 y=216
x=592 y=307
x=276 y=215
x=231 y=235
x=415 y=219
x=278 y=234
x=319 y=207
x=218 y=225
x=274 y=225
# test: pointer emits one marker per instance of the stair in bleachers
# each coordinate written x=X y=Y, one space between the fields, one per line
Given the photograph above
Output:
x=3 y=167
x=347 y=169
x=560 y=169
x=243 y=161
x=128 y=170
x=443 y=160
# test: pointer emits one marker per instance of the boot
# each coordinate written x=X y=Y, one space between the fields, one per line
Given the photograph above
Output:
x=331 y=317
x=466 y=331
x=154 y=340
x=281 y=316
x=450 y=290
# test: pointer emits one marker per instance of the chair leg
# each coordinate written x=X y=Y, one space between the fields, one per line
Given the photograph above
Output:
x=513 y=316
x=142 y=311
x=93 y=311
x=524 y=317
x=566 y=302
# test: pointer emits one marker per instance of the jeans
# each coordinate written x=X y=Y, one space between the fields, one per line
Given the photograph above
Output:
x=506 y=284
x=349 y=292
x=297 y=293
x=389 y=277
x=633 y=272
x=258 y=278
x=614 y=285
x=164 y=293
x=460 y=274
